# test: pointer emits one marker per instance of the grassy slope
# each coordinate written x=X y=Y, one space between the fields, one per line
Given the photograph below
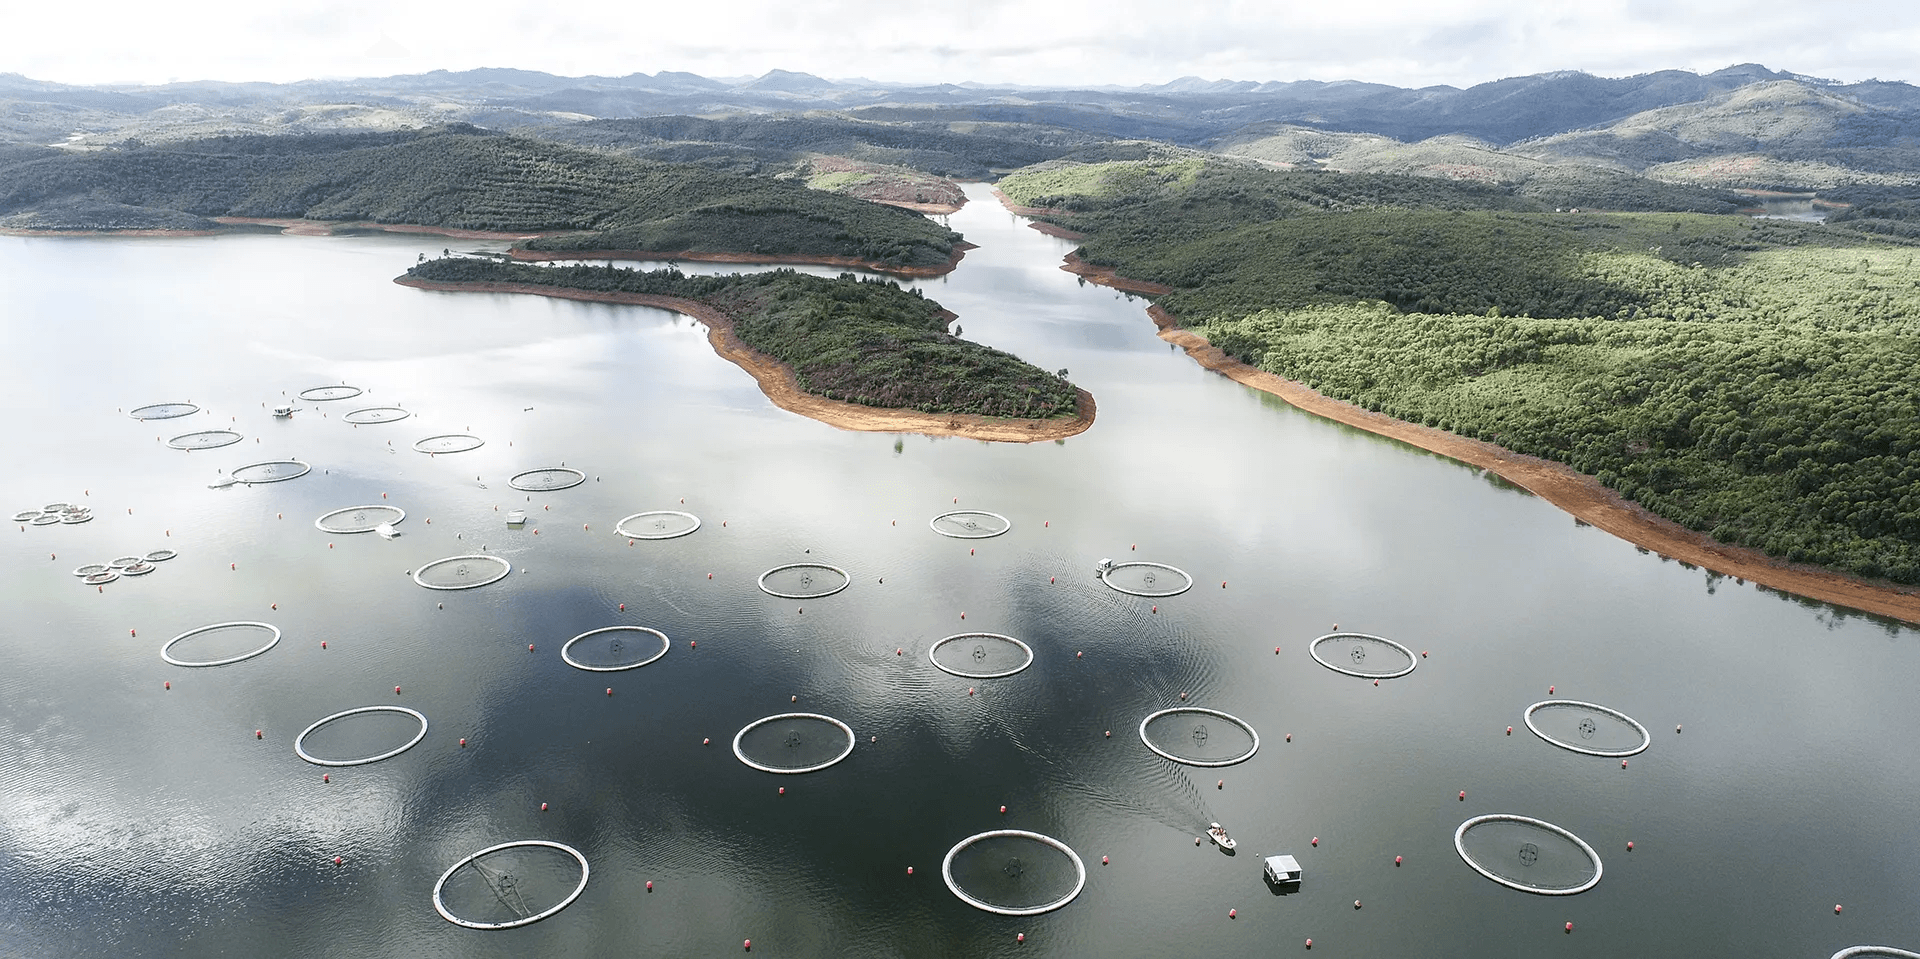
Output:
x=1751 y=379
x=859 y=341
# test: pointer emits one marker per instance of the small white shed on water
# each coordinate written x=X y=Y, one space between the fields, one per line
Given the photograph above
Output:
x=1283 y=869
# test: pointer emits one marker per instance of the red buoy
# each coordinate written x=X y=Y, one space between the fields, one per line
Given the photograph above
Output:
x=706 y=742
x=1289 y=737
x=1629 y=845
x=396 y=690
x=1021 y=937
x=337 y=860
x=1103 y=860
x=543 y=807
x=1463 y=795
x=1109 y=734
x=747 y=944
x=909 y=870
x=323 y=644
x=649 y=885
x=1623 y=764
x=1509 y=730
x=783 y=790
x=1233 y=914
x=529 y=647
x=1222 y=784
x=1569 y=927
x=623 y=607
x=169 y=684
x=325 y=778
x=1316 y=841
x=693 y=644
x=463 y=742
x=1077 y=654
x=1003 y=810
x=1549 y=690
x=609 y=690
x=257 y=734
x=1836 y=908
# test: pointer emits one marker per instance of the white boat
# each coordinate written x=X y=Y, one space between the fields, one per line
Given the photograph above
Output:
x=516 y=518
x=386 y=531
x=1218 y=834
x=284 y=412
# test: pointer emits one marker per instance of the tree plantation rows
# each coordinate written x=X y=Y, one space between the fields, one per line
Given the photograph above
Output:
x=859 y=341
x=1755 y=380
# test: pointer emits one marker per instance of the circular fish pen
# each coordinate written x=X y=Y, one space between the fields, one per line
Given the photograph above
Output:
x=45 y=519
x=1147 y=579
x=74 y=517
x=970 y=524
x=804 y=581
x=161 y=555
x=1194 y=736
x=141 y=568
x=101 y=578
x=26 y=516
x=1874 y=952
x=321 y=394
x=91 y=569
x=614 y=648
x=793 y=743
x=375 y=414
x=1528 y=854
x=300 y=746
x=359 y=519
x=1363 y=655
x=122 y=562
x=272 y=471
x=224 y=637
x=163 y=411
x=205 y=440
x=980 y=655
x=462 y=572
x=657 y=524
x=1014 y=872
x=449 y=443
x=512 y=884
x=547 y=479
x=1587 y=728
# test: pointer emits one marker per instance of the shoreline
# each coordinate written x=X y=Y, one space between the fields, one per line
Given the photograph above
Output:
x=289 y=227
x=795 y=259
x=1579 y=495
x=782 y=387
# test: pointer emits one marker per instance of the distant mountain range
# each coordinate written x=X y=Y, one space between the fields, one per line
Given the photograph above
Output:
x=1784 y=128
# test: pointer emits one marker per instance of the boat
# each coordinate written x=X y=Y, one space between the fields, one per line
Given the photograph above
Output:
x=1283 y=870
x=516 y=518
x=1218 y=834
x=386 y=531
x=284 y=412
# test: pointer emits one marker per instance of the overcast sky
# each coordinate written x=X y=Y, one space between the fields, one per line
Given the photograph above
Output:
x=1402 y=42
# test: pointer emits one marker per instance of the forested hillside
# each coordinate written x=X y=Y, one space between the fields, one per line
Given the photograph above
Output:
x=464 y=179
x=1755 y=380
x=858 y=341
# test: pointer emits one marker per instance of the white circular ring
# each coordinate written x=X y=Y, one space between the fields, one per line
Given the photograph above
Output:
x=806 y=769
x=959 y=636
x=1459 y=847
x=1867 y=951
x=1237 y=721
x=665 y=644
x=1313 y=649
x=299 y=747
x=505 y=568
x=1646 y=738
x=621 y=526
x=168 y=656
x=1080 y=868
x=356 y=391
x=190 y=410
x=776 y=569
x=349 y=417
x=321 y=523
x=304 y=470
x=477 y=442
x=935 y=523
x=1139 y=592
x=440 y=905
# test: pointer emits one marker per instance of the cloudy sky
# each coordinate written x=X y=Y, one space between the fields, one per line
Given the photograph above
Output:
x=1403 y=42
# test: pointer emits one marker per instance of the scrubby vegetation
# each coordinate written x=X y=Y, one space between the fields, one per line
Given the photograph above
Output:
x=860 y=341
x=1754 y=380
x=464 y=179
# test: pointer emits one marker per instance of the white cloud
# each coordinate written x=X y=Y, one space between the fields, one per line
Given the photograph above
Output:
x=1401 y=42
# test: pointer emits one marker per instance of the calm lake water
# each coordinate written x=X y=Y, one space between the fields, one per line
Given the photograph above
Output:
x=137 y=820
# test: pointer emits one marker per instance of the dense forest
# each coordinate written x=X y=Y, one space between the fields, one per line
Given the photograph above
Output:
x=464 y=179
x=859 y=341
x=1751 y=379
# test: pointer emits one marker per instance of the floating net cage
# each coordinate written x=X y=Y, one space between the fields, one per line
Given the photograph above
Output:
x=272 y=471
x=359 y=519
x=160 y=555
x=205 y=440
x=45 y=519
x=512 y=884
x=101 y=578
x=462 y=572
x=1587 y=728
x=449 y=443
x=321 y=394
x=980 y=655
x=91 y=569
x=1874 y=952
x=1014 y=872
x=970 y=524
x=548 y=479
x=793 y=743
x=26 y=516
x=356 y=737
x=163 y=411
x=804 y=580
x=1195 y=736
x=74 y=517
x=141 y=568
x=1147 y=579
x=122 y=562
x=1528 y=854
x=376 y=414
x=220 y=644
x=657 y=524
x=615 y=648
x=1363 y=655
